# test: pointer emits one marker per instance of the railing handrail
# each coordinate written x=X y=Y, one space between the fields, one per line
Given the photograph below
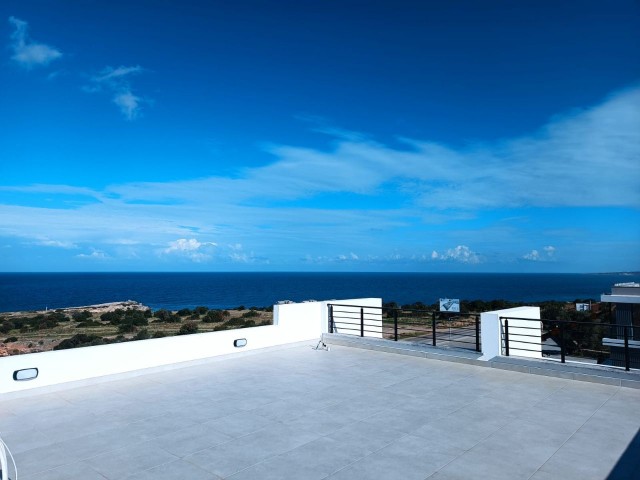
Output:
x=566 y=321
x=562 y=324
x=400 y=309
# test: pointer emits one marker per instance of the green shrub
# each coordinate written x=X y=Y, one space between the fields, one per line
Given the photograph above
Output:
x=79 y=340
x=6 y=326
x=250 y=314
x=81 y=316
x=184 y=312
x=188 y=328
x=126 y=328
x=136 y=317
x=200 y=310
x=114 y=318
x=10 y=339
x=166 y=316
x=142 y=335
x=213 y=316
x=159 y=334
x=57 y=316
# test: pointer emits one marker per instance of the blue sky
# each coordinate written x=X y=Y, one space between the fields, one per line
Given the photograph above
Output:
x=491 y=136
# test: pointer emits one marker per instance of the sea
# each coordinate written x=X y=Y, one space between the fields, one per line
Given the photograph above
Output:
x=173 y=291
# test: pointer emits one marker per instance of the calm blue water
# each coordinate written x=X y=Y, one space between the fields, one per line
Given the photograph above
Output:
x=33 y=291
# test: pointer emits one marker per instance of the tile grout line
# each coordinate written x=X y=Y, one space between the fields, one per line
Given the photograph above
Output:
x=576 y=431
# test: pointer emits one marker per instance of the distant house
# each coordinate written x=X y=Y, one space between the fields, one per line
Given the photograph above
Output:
x=624 y=303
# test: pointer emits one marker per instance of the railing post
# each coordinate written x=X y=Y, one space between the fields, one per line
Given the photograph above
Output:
x=433 y=328
x=395 y=325
x=477 y=333
x=361 y=322
x=330 y=318
x=506 y=337
x=562 y=351
x=627 y=359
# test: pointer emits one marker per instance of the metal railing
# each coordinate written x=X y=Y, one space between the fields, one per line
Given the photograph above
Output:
x=419 y=326
x=598 y=343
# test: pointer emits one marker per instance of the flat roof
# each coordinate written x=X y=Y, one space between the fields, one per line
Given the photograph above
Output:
x=347 y=413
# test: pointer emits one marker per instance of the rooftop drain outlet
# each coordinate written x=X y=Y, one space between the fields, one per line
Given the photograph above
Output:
x=25 y=374
x=240 y=342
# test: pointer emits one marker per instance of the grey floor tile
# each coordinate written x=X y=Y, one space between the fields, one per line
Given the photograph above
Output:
x=75 y=470
x=190 y=440
x=177 y=470
x=394 y=463
x=226 y=459
x=349 y=413
x=130 y=460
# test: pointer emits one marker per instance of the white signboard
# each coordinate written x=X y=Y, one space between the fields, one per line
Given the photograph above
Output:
x=583 y=307
x=450 y=305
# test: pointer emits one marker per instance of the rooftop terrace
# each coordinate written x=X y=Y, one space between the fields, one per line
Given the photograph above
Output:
x=292 y=412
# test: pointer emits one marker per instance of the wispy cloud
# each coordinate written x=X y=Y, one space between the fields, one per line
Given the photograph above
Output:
x=116 y=81
x=586 y=158
x=48 y=242
x=583 y=159
x=27 y=52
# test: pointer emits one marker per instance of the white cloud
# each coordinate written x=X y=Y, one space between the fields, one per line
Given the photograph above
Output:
x=128 y=103
x=27 y=52
x=114 y=76
x=95 y=255
x=47 y=242
x=461 y=253
x=584 y=159
x=190 y=248
x=426 y=179
x=536 y=256
x=117 y=82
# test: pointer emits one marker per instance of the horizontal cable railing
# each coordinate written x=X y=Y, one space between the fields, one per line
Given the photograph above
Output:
x=406 y=324
x=592 y=342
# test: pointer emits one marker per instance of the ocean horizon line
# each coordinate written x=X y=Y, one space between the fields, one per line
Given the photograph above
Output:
x=390 y=272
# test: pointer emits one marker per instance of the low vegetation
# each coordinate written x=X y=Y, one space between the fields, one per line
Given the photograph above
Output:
x=30 y=332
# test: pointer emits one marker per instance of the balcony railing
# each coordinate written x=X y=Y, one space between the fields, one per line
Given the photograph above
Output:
x=420 y=326
x=566 y=340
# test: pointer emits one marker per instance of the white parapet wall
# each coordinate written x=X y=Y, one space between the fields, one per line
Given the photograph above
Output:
x=525 y=336
x=295 y=322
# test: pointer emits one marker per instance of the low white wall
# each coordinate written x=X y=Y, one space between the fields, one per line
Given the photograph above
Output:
x=294 y=322
x=351 y=308
x=492 y=328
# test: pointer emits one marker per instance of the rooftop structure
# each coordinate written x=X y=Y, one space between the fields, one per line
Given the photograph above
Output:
x=361 y=408
x=625 y=300
x=294 y=412
x=623 y=293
